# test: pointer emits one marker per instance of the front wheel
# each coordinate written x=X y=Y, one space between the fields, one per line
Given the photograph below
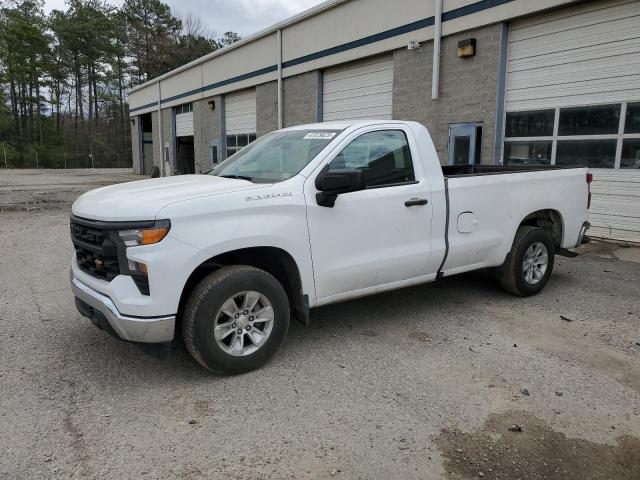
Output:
x=529 y=264
x=235 y=319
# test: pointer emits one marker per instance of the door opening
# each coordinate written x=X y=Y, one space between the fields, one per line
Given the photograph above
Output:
x=465 y=143
x=146 y=157
x=185 y=156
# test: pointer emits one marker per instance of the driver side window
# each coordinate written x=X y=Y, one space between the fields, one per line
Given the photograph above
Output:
x=383 y=156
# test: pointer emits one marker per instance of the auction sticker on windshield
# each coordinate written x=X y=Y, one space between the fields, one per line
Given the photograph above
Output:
x=319 y=136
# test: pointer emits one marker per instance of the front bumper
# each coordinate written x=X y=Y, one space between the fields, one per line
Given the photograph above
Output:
x=101 y=310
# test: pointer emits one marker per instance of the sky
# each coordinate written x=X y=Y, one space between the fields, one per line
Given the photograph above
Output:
x=218 y=16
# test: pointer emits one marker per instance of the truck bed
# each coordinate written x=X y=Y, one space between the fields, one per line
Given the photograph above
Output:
x=453 y=171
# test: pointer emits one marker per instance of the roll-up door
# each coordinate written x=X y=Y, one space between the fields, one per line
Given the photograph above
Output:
x=573 y=98
x=359 y=90
x=240 y=112
x=580 y=56
x=240 y=120
x=184 y=120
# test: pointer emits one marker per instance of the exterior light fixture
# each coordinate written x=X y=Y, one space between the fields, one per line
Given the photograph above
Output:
x=467 y=48
x=212 y=104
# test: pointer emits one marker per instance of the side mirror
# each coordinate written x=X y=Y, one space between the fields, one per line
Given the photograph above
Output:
x=332 y=183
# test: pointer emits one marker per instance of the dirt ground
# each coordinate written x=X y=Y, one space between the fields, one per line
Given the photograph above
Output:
x=452 y=380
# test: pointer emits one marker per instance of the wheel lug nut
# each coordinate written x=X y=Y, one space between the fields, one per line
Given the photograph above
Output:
x=233 y=325
x=245 y=312
x=237 y=315
x=239 y=331
x=248 y=327
x=251 y=319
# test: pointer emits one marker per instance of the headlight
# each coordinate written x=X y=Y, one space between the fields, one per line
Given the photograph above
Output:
x=145 y=236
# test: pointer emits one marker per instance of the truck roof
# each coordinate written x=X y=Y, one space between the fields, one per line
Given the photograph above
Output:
x=343 y=124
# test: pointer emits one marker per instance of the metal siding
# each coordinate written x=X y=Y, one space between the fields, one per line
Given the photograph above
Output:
x=240 y=112
x=359 y=90
x=615 y=209
x=586 y=55
x=184 y=124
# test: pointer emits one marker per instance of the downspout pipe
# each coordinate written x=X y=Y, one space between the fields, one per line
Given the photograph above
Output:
x=280 y=109
x=160 y=139
x=437 y=35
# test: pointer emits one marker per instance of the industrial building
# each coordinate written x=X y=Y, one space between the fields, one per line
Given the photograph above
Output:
x=553 y=82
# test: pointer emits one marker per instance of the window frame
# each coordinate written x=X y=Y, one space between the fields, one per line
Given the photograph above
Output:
x=620 y=136
x=236 y=148
x=376 y=130
x=183 y=108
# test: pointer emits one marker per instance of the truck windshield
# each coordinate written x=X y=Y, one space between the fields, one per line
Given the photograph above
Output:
x=275 y=157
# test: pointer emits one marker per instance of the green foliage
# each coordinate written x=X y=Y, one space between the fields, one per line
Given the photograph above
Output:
x=63 y=77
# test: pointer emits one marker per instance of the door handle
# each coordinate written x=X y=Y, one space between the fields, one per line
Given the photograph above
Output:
x=415 y=202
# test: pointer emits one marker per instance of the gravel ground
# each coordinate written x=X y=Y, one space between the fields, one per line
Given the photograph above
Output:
x=452 y=380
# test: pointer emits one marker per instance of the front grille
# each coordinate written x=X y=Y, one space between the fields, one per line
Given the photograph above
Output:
x=96 y=253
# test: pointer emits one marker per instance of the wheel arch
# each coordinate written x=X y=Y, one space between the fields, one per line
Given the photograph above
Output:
x=548 y=219
x=273 y=260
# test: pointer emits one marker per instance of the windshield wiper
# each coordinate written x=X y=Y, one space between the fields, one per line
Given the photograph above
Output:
x=237 y=177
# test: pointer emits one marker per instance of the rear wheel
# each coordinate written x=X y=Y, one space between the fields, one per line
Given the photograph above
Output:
x=529 y=264
x=235 y=319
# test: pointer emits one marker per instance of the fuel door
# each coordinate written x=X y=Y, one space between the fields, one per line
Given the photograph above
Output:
x=467 y=222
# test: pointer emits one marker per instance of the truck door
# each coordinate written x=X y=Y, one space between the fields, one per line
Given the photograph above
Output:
x=375 y=236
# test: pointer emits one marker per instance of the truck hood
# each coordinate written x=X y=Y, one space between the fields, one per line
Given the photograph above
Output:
x=143 y=199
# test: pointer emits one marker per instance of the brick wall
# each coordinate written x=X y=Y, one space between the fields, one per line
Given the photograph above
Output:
x=266 y=108
x=207 y=126
x=468 y=88
x=300 y=98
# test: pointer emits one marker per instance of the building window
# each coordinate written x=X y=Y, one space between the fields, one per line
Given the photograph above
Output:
x=184 y=108
x=530 y=124
x=595 y=136
x=630 y=153
x=238 y=141
x=587 y=153
x=632 y=124
x=594 y=120
x=528 y=153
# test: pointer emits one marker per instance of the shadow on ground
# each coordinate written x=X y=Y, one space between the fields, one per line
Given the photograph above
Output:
x=518 y=445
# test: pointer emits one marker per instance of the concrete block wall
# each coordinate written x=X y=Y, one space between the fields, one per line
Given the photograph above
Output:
x=468 y=88
x=266 y=108
x=167 y=138
x=207 y=126
x=300 y=98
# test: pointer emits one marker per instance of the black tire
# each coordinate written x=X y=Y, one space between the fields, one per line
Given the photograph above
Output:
x=511 y=274
x=207 y=299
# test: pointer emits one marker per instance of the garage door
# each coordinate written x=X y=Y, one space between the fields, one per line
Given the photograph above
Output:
x=240 y=120
x=240 y=112
x=359 y=90
x=573 y=98
x=184 y=120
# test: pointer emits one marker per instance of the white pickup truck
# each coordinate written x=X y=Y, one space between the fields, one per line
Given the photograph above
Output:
x=303 y=217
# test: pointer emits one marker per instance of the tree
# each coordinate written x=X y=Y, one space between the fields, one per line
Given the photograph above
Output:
x=23 y=48
x=63 y=78
x=228 y=38
x=152 y=31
